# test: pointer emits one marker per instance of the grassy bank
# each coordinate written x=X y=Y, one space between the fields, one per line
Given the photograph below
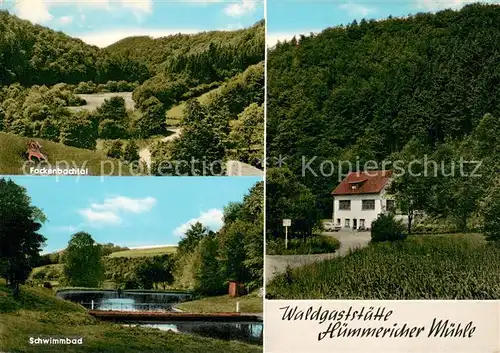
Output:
x=145 y=252
x=13 y=149
x=319 y=244
x=422 y=267
x=39 y=312
x=248 y=304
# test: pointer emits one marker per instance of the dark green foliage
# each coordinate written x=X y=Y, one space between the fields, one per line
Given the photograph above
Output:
x=131 y=152
x=140 y=272
x=79 y=131
x=153 y=120
x=32 y=54
x=116 y=149
x=83 y=266
x=490 y=212
x=386 y=228
x=20 y=240
x=311 y=245
x=288 y=198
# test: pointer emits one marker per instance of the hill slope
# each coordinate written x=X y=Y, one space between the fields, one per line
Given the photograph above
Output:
x=366 y=89
x=13 y=159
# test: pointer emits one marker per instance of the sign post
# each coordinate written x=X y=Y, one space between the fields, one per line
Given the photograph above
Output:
x=286 y=223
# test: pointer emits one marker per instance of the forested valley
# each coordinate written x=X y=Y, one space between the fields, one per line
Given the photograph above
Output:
x=207 y=87
x=424 y=87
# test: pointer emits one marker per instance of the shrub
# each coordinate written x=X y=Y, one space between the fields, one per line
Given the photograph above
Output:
x=318 y=244
x=386 y=228
x=490 y=212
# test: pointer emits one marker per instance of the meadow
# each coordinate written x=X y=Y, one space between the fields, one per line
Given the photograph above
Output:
x=40 y=313
x=13 y=149
x=145 y=252
x=458 y=266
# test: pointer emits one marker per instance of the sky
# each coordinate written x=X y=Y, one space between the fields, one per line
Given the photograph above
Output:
x=130 y=211
x=104 y=22
x=289 y=18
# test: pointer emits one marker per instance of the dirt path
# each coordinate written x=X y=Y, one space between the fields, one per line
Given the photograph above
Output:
x=277 y=264
x=145 y=153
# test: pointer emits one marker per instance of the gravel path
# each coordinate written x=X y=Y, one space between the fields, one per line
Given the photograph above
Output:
x=277 y=264
x=145 y=153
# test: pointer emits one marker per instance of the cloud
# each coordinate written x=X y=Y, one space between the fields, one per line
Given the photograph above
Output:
x=96 y=218
x=436 y=5
x=356 y=10
x=64 y=20
x=38 y=11
x=241 y=8
x=126 y=204
x=108 y=212
x=212 y=219
x=35 y=11
x=104 y=39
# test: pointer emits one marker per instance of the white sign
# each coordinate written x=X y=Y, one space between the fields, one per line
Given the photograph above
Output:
x=287 y=223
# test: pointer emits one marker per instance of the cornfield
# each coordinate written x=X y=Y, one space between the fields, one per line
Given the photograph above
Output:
x=422 y=267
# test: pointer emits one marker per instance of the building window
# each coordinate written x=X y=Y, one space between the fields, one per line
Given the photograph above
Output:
x=390 y=205
x=338 y=221
x=344 y=204
x=361 y=223
x=368 y=205
x=347 y=222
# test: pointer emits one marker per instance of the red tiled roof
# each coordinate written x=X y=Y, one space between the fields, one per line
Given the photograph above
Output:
x=369 y=182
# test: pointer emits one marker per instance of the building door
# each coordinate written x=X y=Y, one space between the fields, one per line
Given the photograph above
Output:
x=354 y=223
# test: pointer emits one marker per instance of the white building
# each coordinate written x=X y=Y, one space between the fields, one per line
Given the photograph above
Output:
x=360 y=198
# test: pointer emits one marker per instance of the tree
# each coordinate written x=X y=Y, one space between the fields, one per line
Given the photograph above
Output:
x=83 y=266
x=192 y=237
x=20 y=240
x=131 y=153
x=288 y=198
x=116 y=149
x=490 y=213
x=79 y=131
x=153 y=119
x=247 y=135
x=412 y=185
x=207 y=268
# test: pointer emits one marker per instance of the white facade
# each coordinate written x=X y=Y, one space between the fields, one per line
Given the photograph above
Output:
x=358 y=216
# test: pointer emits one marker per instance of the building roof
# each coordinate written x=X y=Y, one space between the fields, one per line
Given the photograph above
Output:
x=367 y=182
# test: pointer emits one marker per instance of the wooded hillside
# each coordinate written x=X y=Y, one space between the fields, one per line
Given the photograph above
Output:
x=368 y=89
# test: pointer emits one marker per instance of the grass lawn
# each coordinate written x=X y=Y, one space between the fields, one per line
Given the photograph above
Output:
x=39 y=312
x=13 y=149
x=145 y=252
x=422 y=267
x=251 y=303
x=318 y=244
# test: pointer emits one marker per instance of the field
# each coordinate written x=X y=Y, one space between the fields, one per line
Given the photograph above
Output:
x=422 y=267
x=145 y=252
x=39 y=312
x=97 y=99
x=248 y=304
x=13 y=149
